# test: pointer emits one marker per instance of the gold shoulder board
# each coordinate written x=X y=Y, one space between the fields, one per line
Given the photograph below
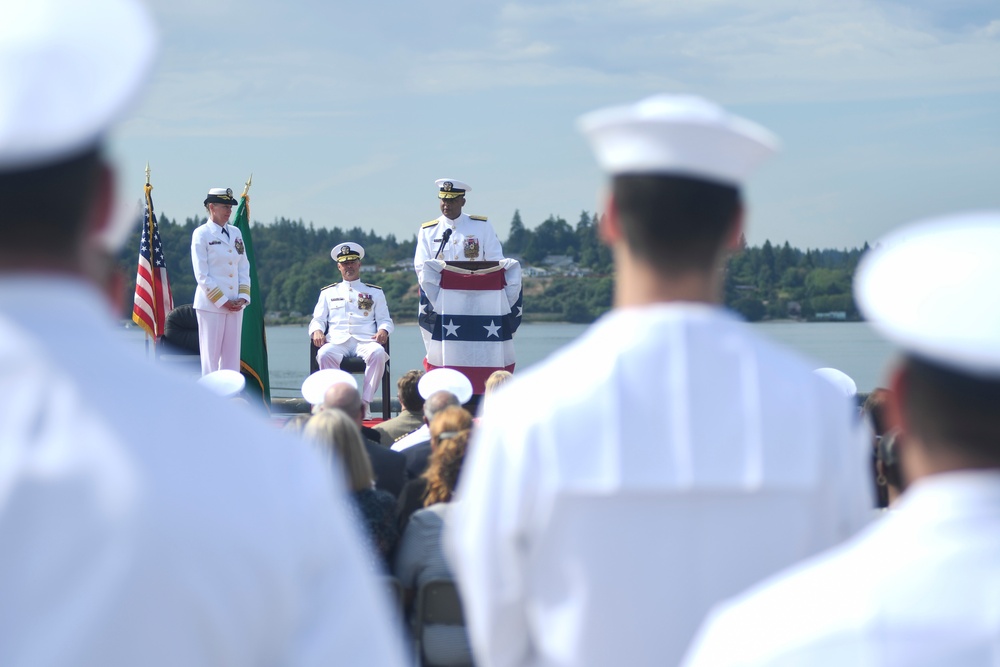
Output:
x=429 y=223
x=328 y=286
x=478 y=217
x=372 y=286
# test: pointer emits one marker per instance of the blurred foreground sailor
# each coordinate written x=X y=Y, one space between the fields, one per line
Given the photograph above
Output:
x=457 y=235
x=617 y=491
x=140 y=524
x=351 y=318
x=222 y=271
x=922 y=585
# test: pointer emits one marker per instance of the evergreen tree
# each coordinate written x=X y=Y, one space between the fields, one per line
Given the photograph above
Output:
x=517 y=240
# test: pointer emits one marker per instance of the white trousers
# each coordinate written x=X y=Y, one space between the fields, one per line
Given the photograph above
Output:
x=219 y=335
x=331 y=354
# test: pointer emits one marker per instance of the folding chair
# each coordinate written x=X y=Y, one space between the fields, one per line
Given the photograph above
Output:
x=437 y=603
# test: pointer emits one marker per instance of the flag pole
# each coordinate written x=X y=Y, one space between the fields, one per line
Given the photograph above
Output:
x=146 y=194
x=253 y=343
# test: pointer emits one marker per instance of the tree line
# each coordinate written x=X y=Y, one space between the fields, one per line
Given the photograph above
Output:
x=293 y=263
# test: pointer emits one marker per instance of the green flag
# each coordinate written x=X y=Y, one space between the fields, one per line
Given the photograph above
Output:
x=253 y=347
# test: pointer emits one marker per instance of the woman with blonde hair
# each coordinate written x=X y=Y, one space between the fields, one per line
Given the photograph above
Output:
x=376 y=509
x=420 y=557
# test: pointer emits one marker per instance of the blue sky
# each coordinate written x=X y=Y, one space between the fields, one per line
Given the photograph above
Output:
x=346 y=113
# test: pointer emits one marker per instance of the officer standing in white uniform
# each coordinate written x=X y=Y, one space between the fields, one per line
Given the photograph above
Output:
x=921 y=586
x=466 y=238
x=143 y=521
x=671 y=456
x=222 y=270
x=351 y=318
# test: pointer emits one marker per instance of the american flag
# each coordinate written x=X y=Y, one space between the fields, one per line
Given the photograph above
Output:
x=153 y=299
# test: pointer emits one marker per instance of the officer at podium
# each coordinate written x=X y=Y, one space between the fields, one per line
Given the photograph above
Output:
x=456 y=235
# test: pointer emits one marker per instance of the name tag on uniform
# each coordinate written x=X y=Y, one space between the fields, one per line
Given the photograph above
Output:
x=214 y=242
x=437 y=240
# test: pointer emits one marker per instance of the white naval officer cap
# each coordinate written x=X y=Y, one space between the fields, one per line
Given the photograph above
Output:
x=225 y=383
x=449 y=188
x=682 y=135
x=345 y=252
x=69 y=69
x=839 y=379
x=220 y=196
x=445 y=379
x=930 y=288
x=314 y=387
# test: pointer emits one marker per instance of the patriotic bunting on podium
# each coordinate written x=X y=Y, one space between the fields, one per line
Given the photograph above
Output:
x=468 y=318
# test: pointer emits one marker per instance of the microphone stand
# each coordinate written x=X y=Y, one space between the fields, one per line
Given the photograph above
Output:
x=444 y=239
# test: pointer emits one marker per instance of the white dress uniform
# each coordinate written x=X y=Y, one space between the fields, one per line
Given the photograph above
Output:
x=351 y=313
x=920 y=587
x=616 y=492
x=222 y=270
x=145 y=521
x=472 y=239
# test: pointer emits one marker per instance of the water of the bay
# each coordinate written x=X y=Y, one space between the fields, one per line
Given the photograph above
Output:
x=851 y=347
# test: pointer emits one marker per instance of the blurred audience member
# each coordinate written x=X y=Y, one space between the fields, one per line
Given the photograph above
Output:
x=420 y=558
x=339 y=434
x=388 y=466
x=411 y=415
x=920 y=586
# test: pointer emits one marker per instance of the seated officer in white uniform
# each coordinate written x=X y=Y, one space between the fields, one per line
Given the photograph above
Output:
x=669 y=457
x=143 y=520
x=222 y=271
x=351 y=318
x=465 y=237
x=921 y=586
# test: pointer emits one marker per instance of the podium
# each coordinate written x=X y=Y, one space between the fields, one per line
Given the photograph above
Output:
x=469 y=312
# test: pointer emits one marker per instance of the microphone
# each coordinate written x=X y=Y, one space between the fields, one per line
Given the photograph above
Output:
x=444 y=239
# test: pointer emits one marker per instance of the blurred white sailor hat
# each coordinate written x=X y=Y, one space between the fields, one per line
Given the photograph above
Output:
x=314 y=387
x=840 y=380
x=345 y=252
x=69 y=70
x=930 y=288
x=449 y=188
x=225 y=383
x=681 y=135
x=445 y=379
x=220 y=196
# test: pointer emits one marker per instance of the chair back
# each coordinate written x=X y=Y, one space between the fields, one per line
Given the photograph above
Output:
x=437 y=603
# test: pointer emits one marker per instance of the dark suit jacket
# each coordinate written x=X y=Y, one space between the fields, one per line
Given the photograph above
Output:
x=417 y=459
x=389 y=467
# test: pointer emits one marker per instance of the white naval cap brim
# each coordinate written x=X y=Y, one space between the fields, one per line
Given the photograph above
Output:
x=70 y=69
x=839 y=379
x=225 y=383
x=315 y=386
x=677 y=134
x=930 y=288
x=445 y=379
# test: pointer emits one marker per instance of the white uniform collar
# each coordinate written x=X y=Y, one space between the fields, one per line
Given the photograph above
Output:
x=462 y=217
x=953 y=493
x=354 y=284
